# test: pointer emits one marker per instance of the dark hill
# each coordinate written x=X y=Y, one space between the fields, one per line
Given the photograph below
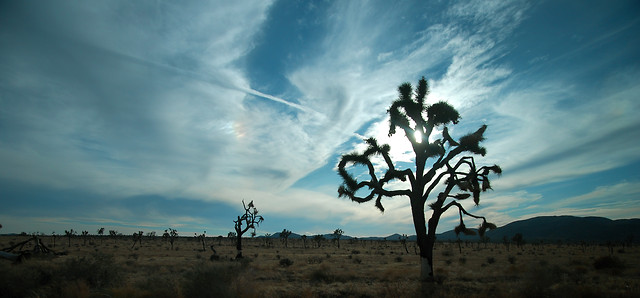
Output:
x=562 y=228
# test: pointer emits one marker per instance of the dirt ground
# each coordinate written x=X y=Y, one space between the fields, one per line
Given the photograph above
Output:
x=113 y=267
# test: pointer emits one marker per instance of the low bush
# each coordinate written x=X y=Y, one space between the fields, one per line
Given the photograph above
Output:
x=98 y=270
x=609 y=263
x=314 y=260
x=286 y=262
x=208 y=280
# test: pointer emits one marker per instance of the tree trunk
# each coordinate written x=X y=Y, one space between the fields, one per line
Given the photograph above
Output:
x=239 y=246
x=426 y=249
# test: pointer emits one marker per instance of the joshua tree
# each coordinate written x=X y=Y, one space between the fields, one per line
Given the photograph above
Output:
x=170 y=235
x=101 y=233
x=318 y=240
x=202 y=239
x=403 y=240
x=421 y=123
x=304 y=241
x=113 y=234
x=518 y=239
x=232 y=237
x=250 y=219
x=137 y=238
x=84 y=237
x=70 y=234
x=284 y=236
x=336 y=236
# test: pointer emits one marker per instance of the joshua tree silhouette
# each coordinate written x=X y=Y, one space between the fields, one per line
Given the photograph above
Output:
x=284 y=236
x=418 y=119
x=101 y=233
x=250 y=219
x=336 y=236
x=171 y=235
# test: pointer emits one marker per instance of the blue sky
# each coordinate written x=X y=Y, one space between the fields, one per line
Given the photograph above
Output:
x=145 y=115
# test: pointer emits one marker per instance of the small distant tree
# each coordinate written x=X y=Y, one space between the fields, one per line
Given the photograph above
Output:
x=170 y=235
x=318 y=239
x=53 y=235
x=84 y=234
x=202 y=238
x=284 y=237
x=336 y=236
x=249 y=220
x=403 y=240
x=113 y=234
x=267 y=239
x=137 y=238
x=304 y=241
x=518 y=239
x=446 y=168
x=101 y=234
x=70 y=234
x=232 y=237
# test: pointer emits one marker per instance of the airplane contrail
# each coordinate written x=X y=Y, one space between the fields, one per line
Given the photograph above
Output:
x=216 y=79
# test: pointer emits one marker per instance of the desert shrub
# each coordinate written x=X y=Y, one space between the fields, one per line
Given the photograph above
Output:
x=98 y=270
x=448 y=262
x=314 y=260
x=398 y=259
x=491 y=260
x=26 y=279
x=539 y=281
x=208 y=280
x=462 y=260
x=608 y=263
x=355 y=252
x=286 y=262
x=357 y=260
x=447 y=253
x=512 y=260
x=322 y=274
x=157 y=286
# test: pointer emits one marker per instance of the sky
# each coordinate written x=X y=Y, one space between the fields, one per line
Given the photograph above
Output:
x=148 y=115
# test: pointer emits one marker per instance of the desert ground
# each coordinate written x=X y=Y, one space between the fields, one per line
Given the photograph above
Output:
x=106 y=266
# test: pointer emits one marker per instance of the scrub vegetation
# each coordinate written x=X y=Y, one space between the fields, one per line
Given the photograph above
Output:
x=359 y=268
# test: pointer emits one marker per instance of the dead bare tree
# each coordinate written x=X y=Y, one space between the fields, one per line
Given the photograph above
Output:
x=447 y=168
x=249 y=220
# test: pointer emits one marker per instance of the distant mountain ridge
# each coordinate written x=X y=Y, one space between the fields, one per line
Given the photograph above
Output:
x=564 y=228
x=548 y=229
